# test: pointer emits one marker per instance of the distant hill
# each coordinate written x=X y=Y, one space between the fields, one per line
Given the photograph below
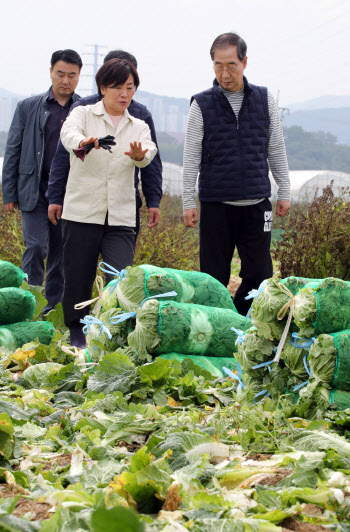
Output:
x=322 y=102
x=334 y=121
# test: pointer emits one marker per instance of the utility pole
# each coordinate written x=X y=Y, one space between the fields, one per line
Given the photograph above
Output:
x=95 y=65
x=282 y=110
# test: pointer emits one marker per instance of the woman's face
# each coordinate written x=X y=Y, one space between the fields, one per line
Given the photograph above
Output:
x=117 y=99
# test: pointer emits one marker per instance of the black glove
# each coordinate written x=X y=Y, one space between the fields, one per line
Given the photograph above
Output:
x=104 y=142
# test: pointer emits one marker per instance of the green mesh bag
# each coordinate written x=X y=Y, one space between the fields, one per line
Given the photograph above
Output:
x=7 y=340
x=323 y=307
x=212 y=364
x=16 y=305
x=294 y=284
x=145 y=281
x=28 y=331
x=340 y=398
x=329 y=360
x=11 y=275
x=167 y=327
x=254 y=350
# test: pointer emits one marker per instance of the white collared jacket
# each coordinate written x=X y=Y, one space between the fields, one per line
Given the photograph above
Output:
x=104 y=182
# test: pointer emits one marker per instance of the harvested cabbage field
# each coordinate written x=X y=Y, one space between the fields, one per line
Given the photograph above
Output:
x=170 y=420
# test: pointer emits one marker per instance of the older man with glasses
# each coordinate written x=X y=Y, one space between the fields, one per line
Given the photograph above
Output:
x=233 y=135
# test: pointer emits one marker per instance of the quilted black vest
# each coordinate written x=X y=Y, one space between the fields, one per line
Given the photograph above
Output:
x=234 y=155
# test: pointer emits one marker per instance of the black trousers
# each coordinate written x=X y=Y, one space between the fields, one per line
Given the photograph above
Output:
x=82 y=244
x=223 y=228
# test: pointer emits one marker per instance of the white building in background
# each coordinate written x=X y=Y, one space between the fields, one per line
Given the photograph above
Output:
x=304 y=183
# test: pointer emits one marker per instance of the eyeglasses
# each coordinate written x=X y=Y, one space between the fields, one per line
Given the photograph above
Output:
x=230 y=68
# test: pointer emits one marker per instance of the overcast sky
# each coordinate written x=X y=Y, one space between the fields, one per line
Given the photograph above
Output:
x=298 y=47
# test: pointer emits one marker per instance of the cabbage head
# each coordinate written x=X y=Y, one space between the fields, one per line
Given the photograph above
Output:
x=37 y=376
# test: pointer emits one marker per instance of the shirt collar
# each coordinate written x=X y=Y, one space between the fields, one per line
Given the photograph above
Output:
x=51 y=98
x=99 y=109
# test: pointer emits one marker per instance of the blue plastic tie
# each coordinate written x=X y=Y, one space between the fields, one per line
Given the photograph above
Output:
x=89 y=320
x=107 y=268
x=240 y=335
x=306 y=343
x=234 y=376
x=121 y=317
x=254 y=293
x=263 y=364
x=306 y=366
x=264 y=392
x=300 y=386
x=167 y=294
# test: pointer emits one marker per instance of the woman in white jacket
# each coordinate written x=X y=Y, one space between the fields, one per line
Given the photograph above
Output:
x=99 y=207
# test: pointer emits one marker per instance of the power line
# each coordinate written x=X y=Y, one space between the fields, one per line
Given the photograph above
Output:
x=95 y=65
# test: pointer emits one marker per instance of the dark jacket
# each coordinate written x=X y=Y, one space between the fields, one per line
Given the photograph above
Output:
x=234 y=153
x=24 y=152
x=151 y=174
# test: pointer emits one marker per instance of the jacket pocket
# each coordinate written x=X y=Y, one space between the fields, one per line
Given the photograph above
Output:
x=26 y=168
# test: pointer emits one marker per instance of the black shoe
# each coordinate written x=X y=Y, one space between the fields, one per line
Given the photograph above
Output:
x=77 y=337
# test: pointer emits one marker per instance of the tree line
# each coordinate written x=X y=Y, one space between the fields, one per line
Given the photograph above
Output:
x=306 y=150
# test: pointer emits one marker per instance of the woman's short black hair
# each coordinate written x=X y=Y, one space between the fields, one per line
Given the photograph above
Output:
x=115 y=72
x=68 y=56
x=121 y=54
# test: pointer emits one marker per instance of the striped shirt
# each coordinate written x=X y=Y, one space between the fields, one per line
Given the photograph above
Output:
x=277 y=156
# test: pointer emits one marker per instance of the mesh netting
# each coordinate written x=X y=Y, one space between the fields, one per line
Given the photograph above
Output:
x=341 y=377
x=28 y=331
x=294 y=284
x=191 y=287
x=16 y=305
x=170 y=327
x=10 y=275
x=342 y=399
x=212 y=364
x=7 y=339
x=197 y=329
x=323 y=306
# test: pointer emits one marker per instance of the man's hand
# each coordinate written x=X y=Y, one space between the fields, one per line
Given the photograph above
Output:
x=136 y=152
x=153 y=217
x=88 y=141
x=282 y=208
x=55 y=213
x=10 y=207
x=190 y=217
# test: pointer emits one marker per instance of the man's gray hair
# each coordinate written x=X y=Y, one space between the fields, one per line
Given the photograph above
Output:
x=229 y=39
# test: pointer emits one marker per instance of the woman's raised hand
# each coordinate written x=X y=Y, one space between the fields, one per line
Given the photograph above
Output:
x=136 y=152
x=88 y=140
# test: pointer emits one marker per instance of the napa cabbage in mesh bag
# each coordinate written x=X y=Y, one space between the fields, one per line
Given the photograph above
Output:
x=254 y=350
x=16 y=305
x=109 y=299
x=102 y=335
x=340 y=398
x=323 y=307
x=11 y=275
x=270 y=300
x=329 y=360
x=145 y=281
x=293 y=358
x=28 y=331
x=167 y=326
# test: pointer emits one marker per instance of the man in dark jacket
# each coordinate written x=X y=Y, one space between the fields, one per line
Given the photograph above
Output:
x=233 y=134
x=151 y=174
x=31 y=145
